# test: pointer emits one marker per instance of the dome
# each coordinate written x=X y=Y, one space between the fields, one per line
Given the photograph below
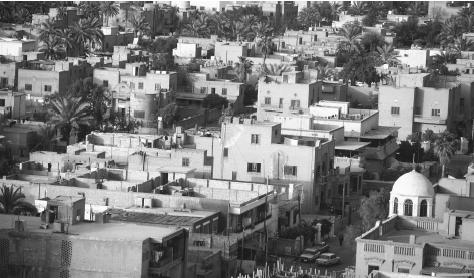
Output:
x=413 y=184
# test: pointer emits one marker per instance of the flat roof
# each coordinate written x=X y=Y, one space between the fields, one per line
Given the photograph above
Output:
x=350 y=145
x=175 y=219
x=380 y=132
x=106 y=231
x=421 y=237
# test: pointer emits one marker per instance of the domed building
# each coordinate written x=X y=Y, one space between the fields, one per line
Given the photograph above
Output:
x=412 y=195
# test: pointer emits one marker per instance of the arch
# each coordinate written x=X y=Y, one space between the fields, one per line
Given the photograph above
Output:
x=395 y=205
x=423 y=208
x=408 y=207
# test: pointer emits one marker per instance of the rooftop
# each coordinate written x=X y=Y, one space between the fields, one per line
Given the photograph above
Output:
x=350 y=145
x=160 y=216
x=381 y=132
x=107 y=231
x=422 y=237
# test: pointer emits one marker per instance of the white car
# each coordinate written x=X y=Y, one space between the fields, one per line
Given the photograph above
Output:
x=327 y=259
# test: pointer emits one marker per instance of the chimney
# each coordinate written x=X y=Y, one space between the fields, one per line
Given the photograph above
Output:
x=412 y=239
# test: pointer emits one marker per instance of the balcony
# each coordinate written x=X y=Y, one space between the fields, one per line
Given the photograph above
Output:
x=429 y=120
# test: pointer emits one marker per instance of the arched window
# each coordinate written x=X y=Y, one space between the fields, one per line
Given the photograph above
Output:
x=395 y=206
x=423 y=208
x=408 y=205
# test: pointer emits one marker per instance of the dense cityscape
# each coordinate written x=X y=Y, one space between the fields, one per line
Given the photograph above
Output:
x=235 y=139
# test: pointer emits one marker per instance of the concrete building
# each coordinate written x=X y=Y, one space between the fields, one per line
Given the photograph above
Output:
x=281 y=12
x=8 y=75
x=41 y=78
x=137 y=94
x=280 y=159
x=229 y=52
x=202 y=85
x=415 y=109
x=425 y=234
x=112 y=37
x=414 y=58
x=90 y=249
x=15 y=47
x=12 y=105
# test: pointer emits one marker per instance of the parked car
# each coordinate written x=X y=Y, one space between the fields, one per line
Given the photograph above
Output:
x=328 y=259
x=309 y=255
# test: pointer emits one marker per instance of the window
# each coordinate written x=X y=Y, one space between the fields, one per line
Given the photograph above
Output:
x=295 y=103
x=417 y=110
x=300 y=40
x=226 y=152
x=185 y=162
x=213 y=91
x=408 y=208
x=105 y=83
x=268 y=100
x=2 y=102
x=423 y=208
x=435 y=112
x=253 y=167
x=395 y=110
x=295 y=216
x=157 y=87
x=255 y=139
x=280 y=104
x=47 y=88
x=140 y=85
x=290 y=170
x=3 y=81
x=395 y=206
x=372 y=268
x=139 y=114
x=203 y=90
x=224 y=91
x=132 y=85
x=461 y=105
x=403 y=270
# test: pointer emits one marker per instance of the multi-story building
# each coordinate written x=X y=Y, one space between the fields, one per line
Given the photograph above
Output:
x=416 y=109
x=202 y=85
x=58 y=249
x=281 y=12
x=256 y=151
x=12 y=105
x=41 y=78
x=15 y=47
x=111 y=38
x=136 y=93
x=427 y=232
x=8 y=75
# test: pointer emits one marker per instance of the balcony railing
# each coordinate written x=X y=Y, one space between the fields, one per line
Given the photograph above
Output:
x=429 y=120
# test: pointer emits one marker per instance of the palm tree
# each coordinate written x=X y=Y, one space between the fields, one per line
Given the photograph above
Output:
x=83 y=33
x=445 y=146
x=264 y=37
x=242 y=68
x=108 y=9
x=460 y=45
x=68 y=113
x=47 y=136
x=324 y=71
x=351 y=32
x=12 y=201
x=357 y=8
x=466 y=16
x=198 y=27
x=48 y=30
x=274 y=69
x=451 y=30
x=387 y=55
x=140 y=25
x=53 y=49
x=335 y=10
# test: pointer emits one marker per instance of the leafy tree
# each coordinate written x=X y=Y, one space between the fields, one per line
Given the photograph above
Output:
x=373 y=208
x=451 y=30
x=264 y=37
x=309 y=17
x=350 y=234
x=250 y=95
x=370 y=19
x=108 y=9
x=466 y=17
x=169 y=114
x=198 y=26
x=12 y=201
x=445 y=146
x=371 y=41
x=214 y=101
x=407 y=32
